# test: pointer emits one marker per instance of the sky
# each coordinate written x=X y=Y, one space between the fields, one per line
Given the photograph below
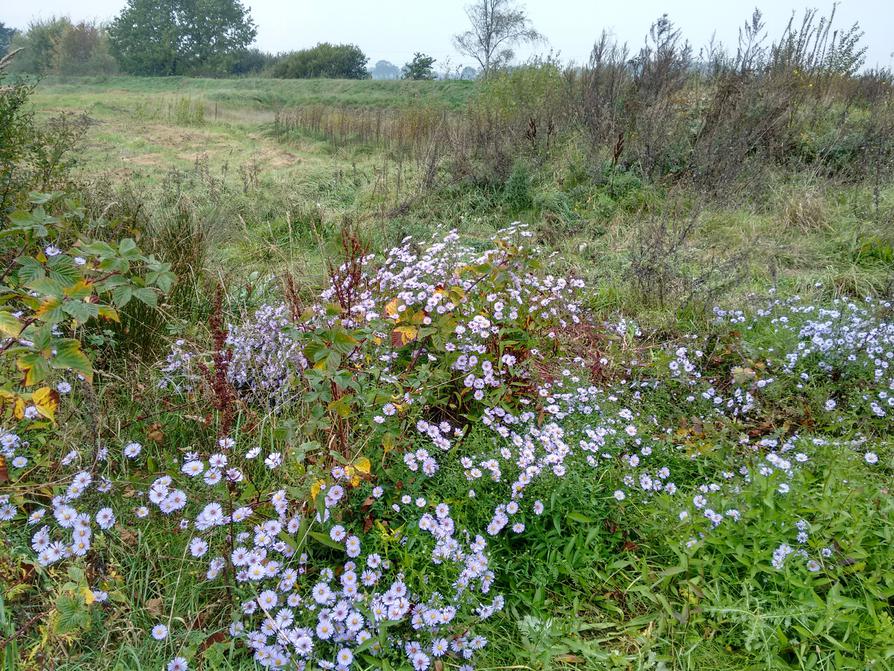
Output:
x=394 y=29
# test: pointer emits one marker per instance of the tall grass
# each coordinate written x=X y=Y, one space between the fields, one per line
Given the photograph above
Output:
x=797 y=103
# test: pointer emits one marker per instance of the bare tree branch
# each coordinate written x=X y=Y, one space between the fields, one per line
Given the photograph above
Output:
x=497 y=25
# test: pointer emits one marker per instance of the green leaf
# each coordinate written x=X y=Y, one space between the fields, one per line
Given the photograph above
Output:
x=9 y=325
x=70 y=357
x=341 y=406
x=110 y=283
x=41 y=336
x=34 y=366
x=31 y=269
x=37 y=198
x=73 y=614
x=128 y=248
x=101 y=249
x=81 y=311
x=114 y=265
x=47 y=287
x=333 y=361
x=121 y=295
x=325 y=540
x=50 y=310
x=161 y=276
x=62 y=269
x=147 y=296
x=342 y=341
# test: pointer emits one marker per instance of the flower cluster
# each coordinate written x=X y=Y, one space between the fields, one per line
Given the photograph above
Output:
x=264 y=355
x=448 y=361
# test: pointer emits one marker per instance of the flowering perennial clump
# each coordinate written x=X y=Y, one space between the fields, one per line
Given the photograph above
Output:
x=437 y=381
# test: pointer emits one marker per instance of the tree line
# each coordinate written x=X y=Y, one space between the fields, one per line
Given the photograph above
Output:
x=215 y=37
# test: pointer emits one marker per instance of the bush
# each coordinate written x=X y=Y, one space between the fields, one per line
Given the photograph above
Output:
x=253 y=62
x=57 y=280
x=57 y=46
x=517 y=190
x=83 y=49
x=331 y=61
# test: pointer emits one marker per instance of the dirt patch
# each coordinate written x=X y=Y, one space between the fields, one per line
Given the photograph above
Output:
x=146 y=160
x=275 y=158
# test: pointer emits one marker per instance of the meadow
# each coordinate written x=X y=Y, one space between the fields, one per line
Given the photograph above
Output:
x=439 y=375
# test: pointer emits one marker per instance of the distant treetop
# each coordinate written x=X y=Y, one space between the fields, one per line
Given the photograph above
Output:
x=179 y=37
x=6 y=35
x=497 y=26
x=421 y=67
x=385 y=70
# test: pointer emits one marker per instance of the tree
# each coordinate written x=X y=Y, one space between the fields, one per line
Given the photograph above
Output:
x=497 y=26
x=178 y=37
x=83 y=49
x=6 y=35
x=419 y=68
x=385 y=70
x=57 y=46
x=39 y=44
x=253 y=62
x=329 y=61
x=468 y=73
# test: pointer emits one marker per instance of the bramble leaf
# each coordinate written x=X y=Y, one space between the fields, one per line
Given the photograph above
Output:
x=46 y=400
x=9 y=325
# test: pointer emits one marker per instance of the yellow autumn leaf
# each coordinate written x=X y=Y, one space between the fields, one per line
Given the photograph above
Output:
x=316 y=487
x=9 y=325
x=352 y=473
x=80 y=290
x=401 y=335
x=88 y=595
x=109 y=313
x=363 y=465
x=391 y=307
x=48 y=305
x=19 y=409
x=29 y=371
x=456 y=294
x=46 y=400
x=387 y=443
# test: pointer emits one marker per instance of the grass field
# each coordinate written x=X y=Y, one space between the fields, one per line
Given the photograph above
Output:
x=700 y=443
x=219 y=132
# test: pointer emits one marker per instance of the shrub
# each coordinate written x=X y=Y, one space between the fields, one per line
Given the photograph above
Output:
x=375 y=459
x=56 y=279
x=58 y=46
x=39 y=44
x=517 y=190
x=333 y=61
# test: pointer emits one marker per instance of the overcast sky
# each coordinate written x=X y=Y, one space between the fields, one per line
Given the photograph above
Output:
x=394 y=29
